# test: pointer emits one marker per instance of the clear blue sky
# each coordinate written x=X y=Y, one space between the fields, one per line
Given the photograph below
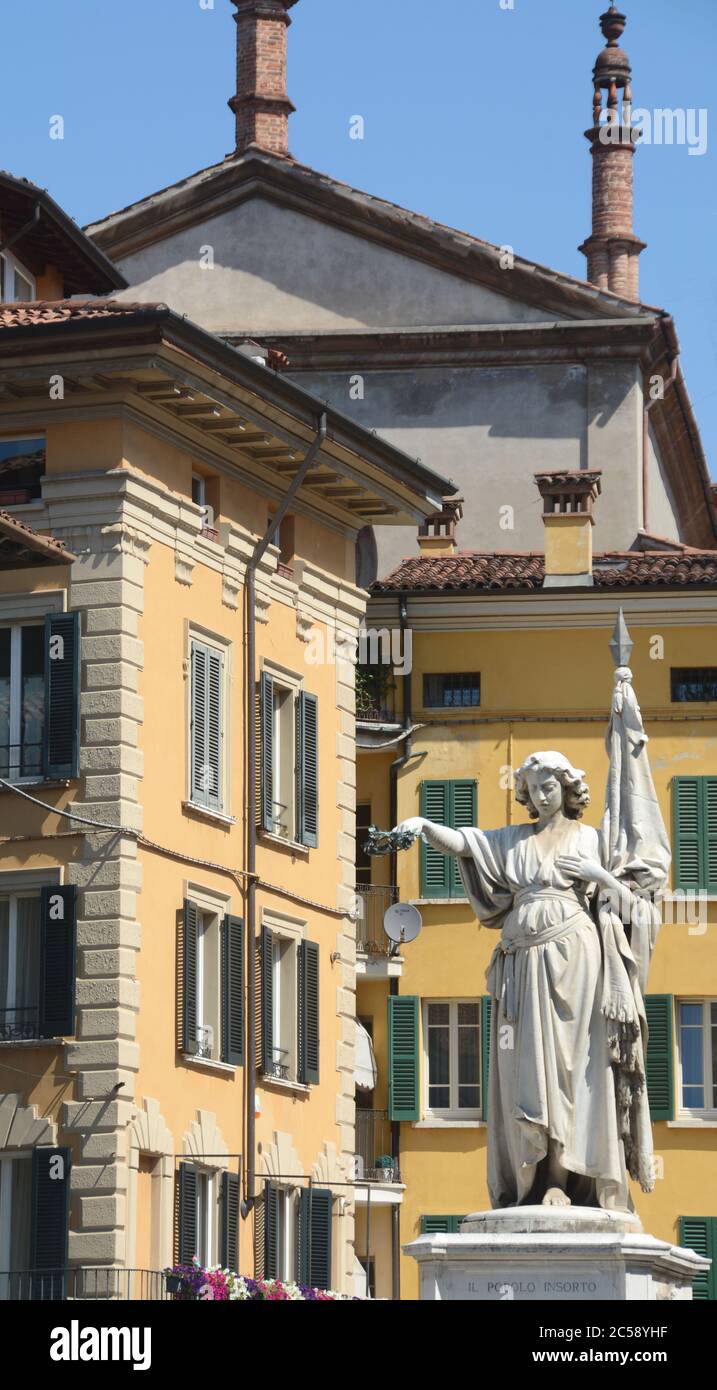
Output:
x=474 y=115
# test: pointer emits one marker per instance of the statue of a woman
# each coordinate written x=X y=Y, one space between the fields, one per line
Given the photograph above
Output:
x=568 y=1115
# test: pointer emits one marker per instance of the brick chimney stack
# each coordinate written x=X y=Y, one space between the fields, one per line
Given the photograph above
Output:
x=613 y=250
x=261 y=106
x=568 y=501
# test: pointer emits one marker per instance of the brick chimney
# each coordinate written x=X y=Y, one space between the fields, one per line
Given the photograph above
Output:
x=613 y=250
x=261 y=106
x=568 y=500
x=437 y=534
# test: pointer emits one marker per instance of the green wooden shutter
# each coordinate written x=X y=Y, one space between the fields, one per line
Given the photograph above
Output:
x=403 y=1044
x=699 y=1233
x=189 y=980
x=308 y=966
x=230 y=1222
x=435 y=867
x=233 y=991
x=260 y=1235
x=267 y=1001
x=58 y=961
x=709 y=803
x=315 y=1223
x=687 y=827
x=62 y=695
x=271 y=1231
x=267 y=752
x=50 y=1219
x=486 y=1010
x=307 y=764
x=441 y=1225
x=207 y=727
x=659 y=1062
x=463 y=811
x=187 y=1220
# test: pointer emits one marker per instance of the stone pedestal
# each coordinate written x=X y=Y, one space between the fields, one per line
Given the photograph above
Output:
x=541 y=1254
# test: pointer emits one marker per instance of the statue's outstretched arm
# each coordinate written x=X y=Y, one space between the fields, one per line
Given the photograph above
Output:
x=440 y=837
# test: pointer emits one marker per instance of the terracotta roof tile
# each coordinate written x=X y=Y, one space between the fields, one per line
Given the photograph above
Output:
x=24 y=315
x=19 y=532
x=473 y=572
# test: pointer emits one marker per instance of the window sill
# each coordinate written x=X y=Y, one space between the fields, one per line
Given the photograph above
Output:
x=448 y=1124
x=23 y=783
x=439 y=902
x=227 y=1068
x=192 y=808
x=292 y=845
x=32 y=1042
x=297 y=1087
x=708 y=1121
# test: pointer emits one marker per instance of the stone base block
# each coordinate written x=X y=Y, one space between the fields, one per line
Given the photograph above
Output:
x=541 y=1254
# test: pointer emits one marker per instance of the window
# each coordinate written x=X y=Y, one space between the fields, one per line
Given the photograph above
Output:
x=289 y=1007
x=453 y=804
x=19 y=968
x=451 y=691
x=699 y=1233
x=34 y=1206
x=694 y=684
x=212 y=985
x=285 y=1234
x=208 y=1216
x=694 y=803
x=452 y=1051
x=207 y=725
x=22 y=700
x=368 y=1265
x=697 y=1032
x=363 y=860
x=22 y=467
x=15 y=1216
x=289 y=767
x=16 y=283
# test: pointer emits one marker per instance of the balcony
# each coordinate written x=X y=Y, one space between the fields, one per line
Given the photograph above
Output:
x=374 y=1163
x=375 y=695
x=91 y=1285
x=373 y=947
x=20 y=1024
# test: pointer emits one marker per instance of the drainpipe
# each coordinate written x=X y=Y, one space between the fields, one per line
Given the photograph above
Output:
x=396 y=766
x=669 y=381
x=250 y=747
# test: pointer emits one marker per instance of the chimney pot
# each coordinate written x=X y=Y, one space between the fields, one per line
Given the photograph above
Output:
x=437 y=534
x=568 y=501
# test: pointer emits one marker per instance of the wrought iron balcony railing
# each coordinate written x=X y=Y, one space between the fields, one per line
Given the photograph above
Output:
x=20 y=1024
x=82 y=1284
x=373 y=900
x=373 y=1159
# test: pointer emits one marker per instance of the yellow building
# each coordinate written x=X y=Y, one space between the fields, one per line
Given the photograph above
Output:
x=509 y=657
x=177 y=791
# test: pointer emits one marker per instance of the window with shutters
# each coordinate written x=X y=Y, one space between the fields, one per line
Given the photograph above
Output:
x=15 y=1217
x=695 y=833
x=451 y=803
x=211 y=982
x=22 y=700
x=209 y=1042
x=289 y=1002
x=37 y=960
x=284 y=1020
x=19 y=967
x=208 y=725
x=452 y=1052
x=289 y=758
x=697 y=1056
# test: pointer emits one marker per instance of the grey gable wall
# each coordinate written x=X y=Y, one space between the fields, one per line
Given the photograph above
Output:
x=488 y=428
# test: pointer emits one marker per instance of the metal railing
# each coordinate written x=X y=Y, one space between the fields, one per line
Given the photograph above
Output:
x=373 y=1160
x=20 y=760
x=375 y=695
x=373 y=900
x=82 y=1284
x=25 y=1028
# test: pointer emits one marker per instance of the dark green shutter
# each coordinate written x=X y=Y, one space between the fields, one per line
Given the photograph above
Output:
x=699 y=1233
x=230 y=1222
x=267 y=1001
x=307 y=763
x=267 y=752
x=403 y=1043
x=187 y=1231
x=309 y=1013
x=207 y=727
x=315 y=1220
x=486 y=1010
x=694 y=801
x=659 y=1065
x=233 y=991
x=58 y=961
x=441 y=1225
x=452 y=803
x=50 y=1219
x=271 y=1231
x=62 y=695
x=189 y=982
x=435 y=867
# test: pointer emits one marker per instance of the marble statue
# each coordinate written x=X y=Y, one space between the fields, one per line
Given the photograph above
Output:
x=568 y=1115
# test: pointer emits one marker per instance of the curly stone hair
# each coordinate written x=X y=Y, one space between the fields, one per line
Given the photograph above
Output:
x=576 y=797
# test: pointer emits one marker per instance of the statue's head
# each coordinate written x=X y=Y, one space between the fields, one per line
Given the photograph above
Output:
x=547 y=783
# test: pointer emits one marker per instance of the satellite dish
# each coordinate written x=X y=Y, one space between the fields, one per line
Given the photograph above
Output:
x=402 y=922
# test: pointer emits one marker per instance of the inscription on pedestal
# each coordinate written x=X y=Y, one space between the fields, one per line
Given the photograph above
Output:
x=576 y=1283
